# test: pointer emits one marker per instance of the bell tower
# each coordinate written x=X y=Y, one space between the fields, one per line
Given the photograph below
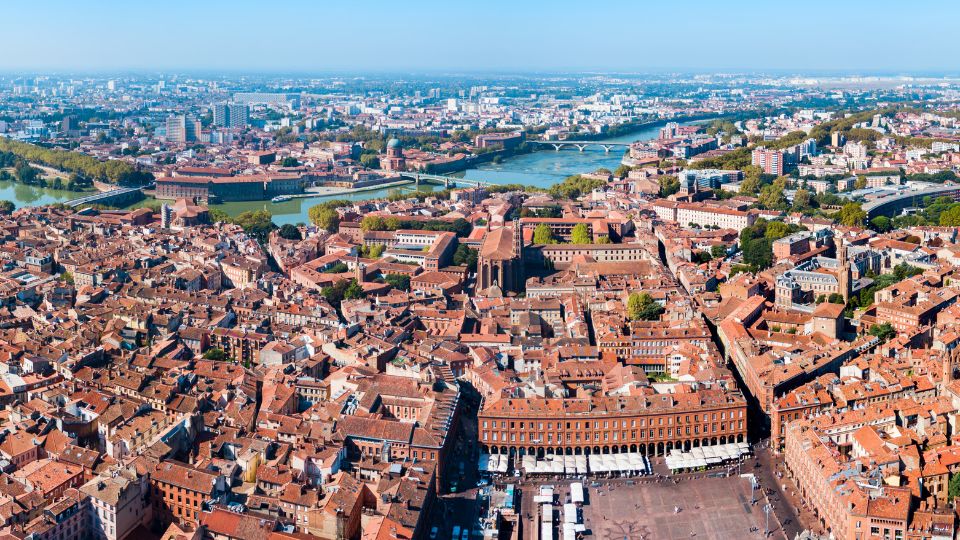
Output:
x=844 y=274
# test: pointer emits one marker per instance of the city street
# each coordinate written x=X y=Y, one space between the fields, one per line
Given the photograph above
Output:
x=462 y=507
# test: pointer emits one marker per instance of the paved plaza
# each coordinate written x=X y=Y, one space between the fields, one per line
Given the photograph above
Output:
x=717 y=508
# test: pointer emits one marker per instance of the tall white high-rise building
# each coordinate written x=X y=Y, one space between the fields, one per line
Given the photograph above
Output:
x=182 y=129
x=234 y=115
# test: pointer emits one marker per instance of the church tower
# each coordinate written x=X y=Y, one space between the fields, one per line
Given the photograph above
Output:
x=844 y=274
x=518 y=239
x=359 y=270
x=519 y=277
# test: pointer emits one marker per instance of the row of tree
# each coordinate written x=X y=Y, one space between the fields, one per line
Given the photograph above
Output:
x=119 y=172
x=325 y=215
x=756 y=242
x=256 y=223
x=573 y=187
x=580 y=234
x=460 y=226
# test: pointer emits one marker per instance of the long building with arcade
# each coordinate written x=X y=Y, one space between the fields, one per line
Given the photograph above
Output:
x=652 y=425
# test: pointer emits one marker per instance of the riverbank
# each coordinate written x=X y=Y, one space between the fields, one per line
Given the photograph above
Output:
x=32 y=195
x=616 y=133
x=50 y=178
x=538 y=168
x=629 y=128
x=330 y=191
x=547 y=166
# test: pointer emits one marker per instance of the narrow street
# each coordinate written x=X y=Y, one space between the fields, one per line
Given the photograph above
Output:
x=457 y=503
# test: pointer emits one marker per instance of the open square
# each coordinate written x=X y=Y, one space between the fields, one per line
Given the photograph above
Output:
x=716 y=508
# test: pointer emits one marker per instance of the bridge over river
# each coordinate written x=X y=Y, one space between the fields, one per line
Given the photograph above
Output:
x=582 y=145
x=113 y=197
x=445 y=181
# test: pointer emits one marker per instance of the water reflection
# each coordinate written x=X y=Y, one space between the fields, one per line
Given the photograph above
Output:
x=24 y=195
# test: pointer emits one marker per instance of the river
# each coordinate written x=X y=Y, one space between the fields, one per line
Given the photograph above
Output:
x=26 y=195
x=540 y=169
x=548 y=166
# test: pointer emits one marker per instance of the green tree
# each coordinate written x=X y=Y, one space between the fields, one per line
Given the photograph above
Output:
x=370 y=161
x=219 y=216
x=622 y=171
x=737 y=159
x=953 y=488
x=641 y=306
x=718 y=251
x=772 y=197
x=634 y=306
x=113 y=170
x=7 y=207
x=338 y=267
x=882 y=331
x=776 y=230
x=353 y=291
x=883 y=223
x=398 y=281
x=465 y=256
x=851 y=215
x=903 y=271
x=393 y=223
x=668 y=185
x=289 y=161
x=836 y=298
x=574 y=186
x=801 y=200
x=373 y=251
x=860 y=182
x=325 y=218
x=373 y=223
x=215 y=353
x=700 y=257
x=751 y=183
x=257 y=223
x=758 y=253
x=604 y=239
x=951 y=216
x=543 y=235
x=580 y=234
x=342 y=290
x=290 y=232
x=27 y=174
x=134 y=178
x=462 y=227
x=334 y=293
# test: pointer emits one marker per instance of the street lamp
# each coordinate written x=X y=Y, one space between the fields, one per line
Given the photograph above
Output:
x=766 y=510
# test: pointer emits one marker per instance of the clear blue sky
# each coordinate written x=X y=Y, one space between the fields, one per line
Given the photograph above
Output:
x=480 y=35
